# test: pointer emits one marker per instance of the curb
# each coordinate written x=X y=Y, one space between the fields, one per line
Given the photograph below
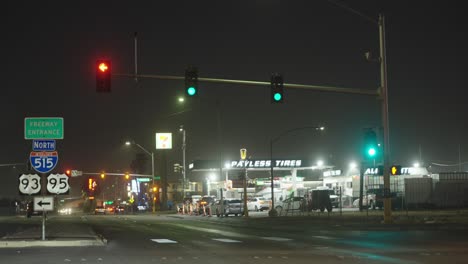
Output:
x=98 y=241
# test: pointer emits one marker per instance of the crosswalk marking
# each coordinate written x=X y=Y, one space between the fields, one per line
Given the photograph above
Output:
x=164 y=241
x=227 y=240
x=277 y=238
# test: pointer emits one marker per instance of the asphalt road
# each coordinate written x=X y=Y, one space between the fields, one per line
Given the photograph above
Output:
x=197 y=239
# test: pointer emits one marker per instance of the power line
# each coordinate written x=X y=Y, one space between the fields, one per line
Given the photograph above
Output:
x=449 y=165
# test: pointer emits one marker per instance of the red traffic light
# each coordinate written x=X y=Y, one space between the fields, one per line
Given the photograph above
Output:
x=68 y=173
x=103 y=76
x=103 y=67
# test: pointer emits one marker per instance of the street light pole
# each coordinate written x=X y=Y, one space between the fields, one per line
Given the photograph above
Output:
x=152 y=167
x=183 y=160
x=273 y=211
x=152 y=173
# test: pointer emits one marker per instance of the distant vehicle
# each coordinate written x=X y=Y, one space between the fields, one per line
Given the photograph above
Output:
x=290 y=204
x=65 y=211
x=119 y=209
x=100 y=210
x=367 y=201
x=334 y=199
x=319 y=200
x=195 y=198
x=30 y=210
x=235 y=207
x=110 y=209
x=142 y=208
x=258 y=204
x=205 y=204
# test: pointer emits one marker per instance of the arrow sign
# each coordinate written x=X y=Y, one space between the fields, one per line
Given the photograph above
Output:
x=45 y=203
x=40 y=203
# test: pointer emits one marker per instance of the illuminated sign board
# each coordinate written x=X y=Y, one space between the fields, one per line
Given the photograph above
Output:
x=378 y=171
x=331 y=173
x=286 y=163
x=163 y=140
x=143 y=179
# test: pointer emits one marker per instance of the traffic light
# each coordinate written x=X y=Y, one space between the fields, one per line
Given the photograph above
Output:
x=103 y=76
x=127 y=176
x=68 y=173
x=370 y=144
x=191 y=81
x=395 y=170
x=103 y=175
x=277 y=94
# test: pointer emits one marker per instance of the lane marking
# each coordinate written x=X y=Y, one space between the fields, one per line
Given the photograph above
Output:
x=227 y=240
x=277 y=238
x=164 y=241
x=324 y=237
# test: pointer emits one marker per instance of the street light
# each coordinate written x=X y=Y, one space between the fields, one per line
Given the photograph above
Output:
x=319 y=163
x=273 y=212
x=128 y=143
x=181 y=129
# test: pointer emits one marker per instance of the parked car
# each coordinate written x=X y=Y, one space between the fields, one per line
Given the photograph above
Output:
x=319 y=200
x=258 y=204
x=334 y=198
x=205 y=204
x=235 y=207
x=290 y=205
x=367 y=201
x=99 y=210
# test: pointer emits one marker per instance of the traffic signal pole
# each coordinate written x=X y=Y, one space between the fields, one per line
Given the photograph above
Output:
x=380 y=92
x=322 y=88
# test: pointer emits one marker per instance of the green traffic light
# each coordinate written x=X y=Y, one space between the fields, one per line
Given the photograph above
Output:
x=277 y=97
x=371 y=152
x=191 y=91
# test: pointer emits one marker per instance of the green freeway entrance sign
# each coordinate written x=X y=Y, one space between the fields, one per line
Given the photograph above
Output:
x=43 y=128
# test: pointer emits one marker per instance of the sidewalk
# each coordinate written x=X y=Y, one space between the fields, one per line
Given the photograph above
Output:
x=56 y=235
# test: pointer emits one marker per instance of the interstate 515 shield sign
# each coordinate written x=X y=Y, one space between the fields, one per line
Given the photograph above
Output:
x=43 y=161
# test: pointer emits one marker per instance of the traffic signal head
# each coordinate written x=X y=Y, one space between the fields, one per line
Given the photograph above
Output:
x=68 y=173
x=370 y=144
x=103 y=175
x=395 y=170
x=103 y=76
x=191 y=81
x=276 y=86
x=92 y=184
x=127 y=176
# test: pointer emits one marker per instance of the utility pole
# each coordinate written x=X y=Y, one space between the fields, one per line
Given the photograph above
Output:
x=183 y=160
x=385 y=123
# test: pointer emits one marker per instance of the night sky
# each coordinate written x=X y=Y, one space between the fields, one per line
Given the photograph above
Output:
x=49 y=51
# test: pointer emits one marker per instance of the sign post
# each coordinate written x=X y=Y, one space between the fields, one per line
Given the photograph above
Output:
x=43 y=204
x=243 y=156
x=43 y=158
